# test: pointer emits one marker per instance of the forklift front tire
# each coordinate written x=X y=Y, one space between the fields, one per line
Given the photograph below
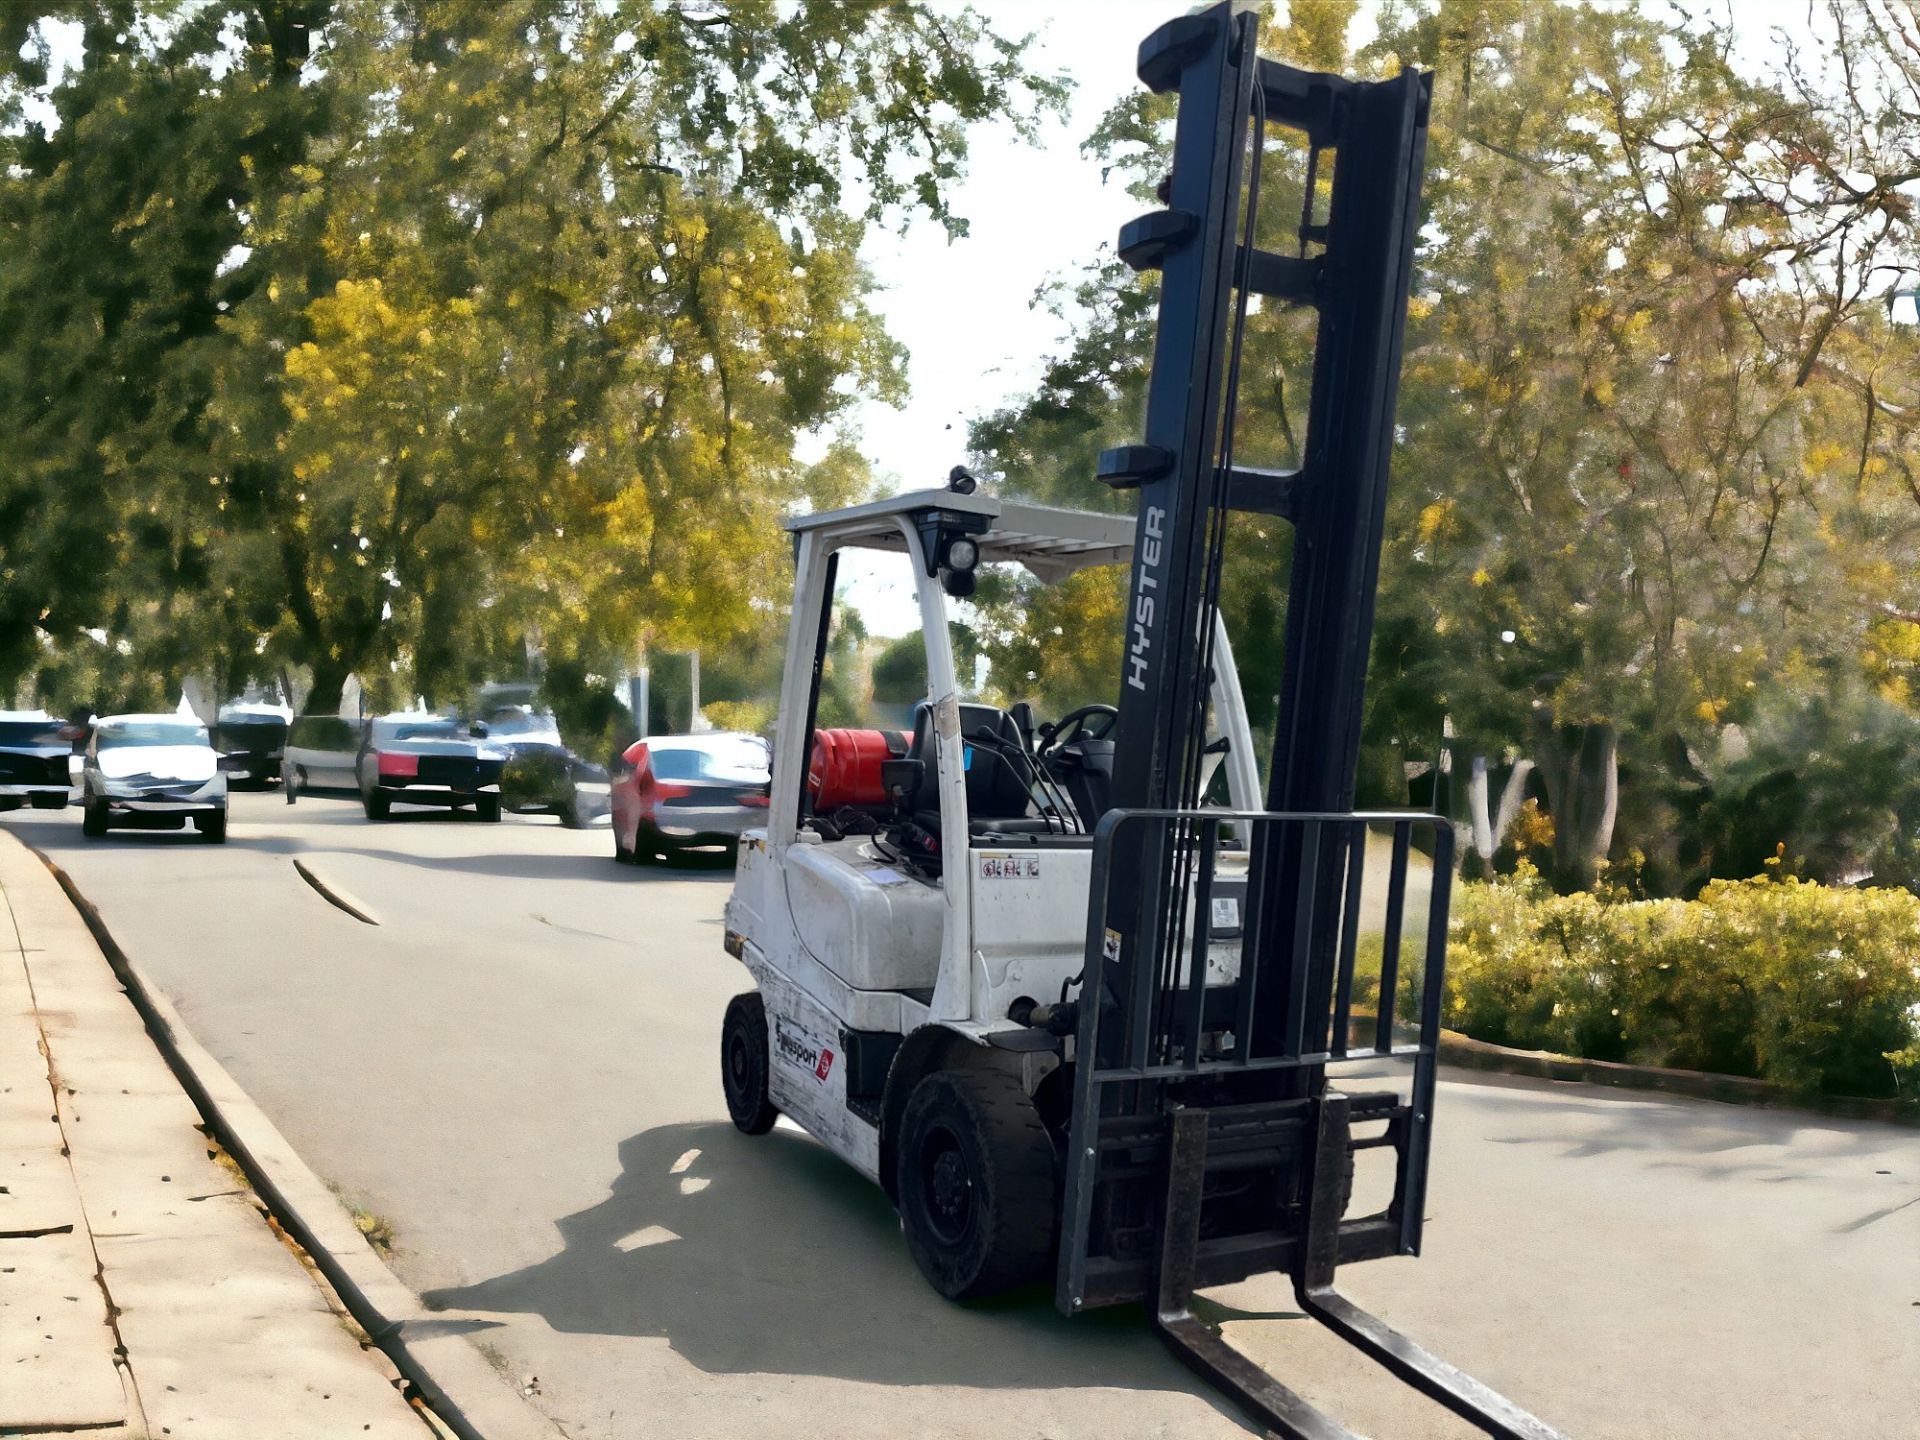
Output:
x=744 y=1063
x=975 y=1182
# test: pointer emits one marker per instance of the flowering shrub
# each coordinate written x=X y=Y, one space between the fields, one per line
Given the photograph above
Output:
x=1804 y=985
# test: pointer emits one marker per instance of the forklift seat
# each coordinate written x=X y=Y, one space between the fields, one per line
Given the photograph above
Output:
x=999 y=777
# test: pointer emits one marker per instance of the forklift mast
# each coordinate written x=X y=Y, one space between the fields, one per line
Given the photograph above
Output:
x=1205 y=1143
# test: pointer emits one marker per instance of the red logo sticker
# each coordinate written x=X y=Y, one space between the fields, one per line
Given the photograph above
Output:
x=826 y=1064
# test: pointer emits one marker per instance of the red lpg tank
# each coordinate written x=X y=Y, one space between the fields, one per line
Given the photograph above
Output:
x=846 y=766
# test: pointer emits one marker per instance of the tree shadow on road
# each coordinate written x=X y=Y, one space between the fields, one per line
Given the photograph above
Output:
x=771 y=1255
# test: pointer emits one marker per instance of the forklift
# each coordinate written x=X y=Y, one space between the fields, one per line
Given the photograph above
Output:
x=1076 y=1017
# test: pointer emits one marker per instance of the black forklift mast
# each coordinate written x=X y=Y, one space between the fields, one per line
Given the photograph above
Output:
x=1205 y=1143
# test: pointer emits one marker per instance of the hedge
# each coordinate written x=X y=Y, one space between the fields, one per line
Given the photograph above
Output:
x=1813 y=988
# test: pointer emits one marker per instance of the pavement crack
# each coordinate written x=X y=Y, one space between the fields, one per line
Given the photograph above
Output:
x=335 y=897
x=1875 y=1216
x=130 y=1383
x=570 y=930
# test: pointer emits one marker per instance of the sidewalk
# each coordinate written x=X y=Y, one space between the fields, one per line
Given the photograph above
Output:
x=143 y=1292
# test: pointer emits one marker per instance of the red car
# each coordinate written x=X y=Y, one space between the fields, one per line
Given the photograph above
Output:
x=675 y=792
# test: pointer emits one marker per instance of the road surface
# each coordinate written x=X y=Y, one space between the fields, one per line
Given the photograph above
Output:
x=517 y=1070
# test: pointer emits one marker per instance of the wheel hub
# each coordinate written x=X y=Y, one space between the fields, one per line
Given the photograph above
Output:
x=952 y=1191
x=737 y=1062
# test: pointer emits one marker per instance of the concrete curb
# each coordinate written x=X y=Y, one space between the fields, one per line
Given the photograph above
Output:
x=464 y=1392
x=1469 y=1054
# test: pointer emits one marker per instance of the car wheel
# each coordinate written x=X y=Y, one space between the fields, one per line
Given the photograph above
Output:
x=487 y=807
x=744 y=1063
x=974 y=1176
x=621 y=854
x=293 y=781
x=213 y=826
x=49 y=802
x=93 y=819
x=377 y=803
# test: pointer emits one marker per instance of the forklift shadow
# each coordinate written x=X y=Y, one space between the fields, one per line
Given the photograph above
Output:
x=769 y=1255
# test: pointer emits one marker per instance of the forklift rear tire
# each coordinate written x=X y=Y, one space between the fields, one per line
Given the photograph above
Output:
x=744 y=1063
x=975 y=1182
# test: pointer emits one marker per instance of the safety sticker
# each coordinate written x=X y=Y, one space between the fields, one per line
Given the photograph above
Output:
x=1110 y=947
x=1009 y=867
x=1226 y=912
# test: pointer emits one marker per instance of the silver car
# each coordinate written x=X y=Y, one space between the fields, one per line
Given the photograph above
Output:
x=676 y=792
x=153 y=772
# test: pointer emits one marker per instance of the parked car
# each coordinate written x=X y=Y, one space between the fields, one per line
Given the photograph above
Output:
x=673 y=792
x=153 y=772
x=252 y=741
x=543 y=776
x=34 y=752
x=422 y=759
x=320 y=754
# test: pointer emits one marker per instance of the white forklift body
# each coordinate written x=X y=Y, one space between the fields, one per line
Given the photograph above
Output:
x=844 y=941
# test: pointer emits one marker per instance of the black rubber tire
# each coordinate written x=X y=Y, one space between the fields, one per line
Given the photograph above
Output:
x=291 y=782
x=621 y=854
x=487 y=807
x=377 y=805
x=49 y=802
x=93 y=820
x=744 y=1063
x=214 y=827
x=975 y=1179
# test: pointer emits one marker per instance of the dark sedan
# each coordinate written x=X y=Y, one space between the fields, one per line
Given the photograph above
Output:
x=429 y=760
x=252 y=742
x=543 y=776
x=35 y=760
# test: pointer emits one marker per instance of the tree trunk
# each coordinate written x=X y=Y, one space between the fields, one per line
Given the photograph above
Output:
x=329 y=684
x=1483 y=836
x=1580 y=765
x=1511 y=799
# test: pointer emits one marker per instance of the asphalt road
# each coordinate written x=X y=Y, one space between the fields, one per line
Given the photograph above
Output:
x=517 y=1070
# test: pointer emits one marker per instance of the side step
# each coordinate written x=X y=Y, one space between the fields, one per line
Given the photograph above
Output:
x=1263 y=1397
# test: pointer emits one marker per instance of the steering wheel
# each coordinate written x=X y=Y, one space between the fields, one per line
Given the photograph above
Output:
x=1091 y=722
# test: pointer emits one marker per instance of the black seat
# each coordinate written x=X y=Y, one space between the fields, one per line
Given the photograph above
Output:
x=999 y=776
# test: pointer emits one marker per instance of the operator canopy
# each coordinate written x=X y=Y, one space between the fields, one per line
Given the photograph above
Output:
x=1050 y=540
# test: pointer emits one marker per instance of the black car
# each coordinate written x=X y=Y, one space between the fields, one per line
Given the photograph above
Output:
x=429 y=760
x=36 y=754
x=542 y=776
x=252 y=742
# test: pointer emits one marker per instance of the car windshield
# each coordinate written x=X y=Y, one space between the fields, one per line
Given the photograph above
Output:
x=439 y=727
x=742 y=759
x=517 y=723
x=30 y=732
x=151 y=732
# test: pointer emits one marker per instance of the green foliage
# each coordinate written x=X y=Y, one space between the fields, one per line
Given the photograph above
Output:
x=1813 y=988
x=1656 y=435
x=1827 y=777
x=487 y=328
x=900 y=670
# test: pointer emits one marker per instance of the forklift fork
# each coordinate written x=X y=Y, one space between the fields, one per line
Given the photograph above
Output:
x=1204 y=1350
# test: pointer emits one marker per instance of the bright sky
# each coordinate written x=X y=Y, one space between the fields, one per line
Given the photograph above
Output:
x=965 y=310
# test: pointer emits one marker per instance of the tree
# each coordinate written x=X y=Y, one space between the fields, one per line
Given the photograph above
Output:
x=1651 y=459
x=506 y=319
x=1614 y=395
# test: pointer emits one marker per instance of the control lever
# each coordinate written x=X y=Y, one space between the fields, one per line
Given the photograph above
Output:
x=1022 y=715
